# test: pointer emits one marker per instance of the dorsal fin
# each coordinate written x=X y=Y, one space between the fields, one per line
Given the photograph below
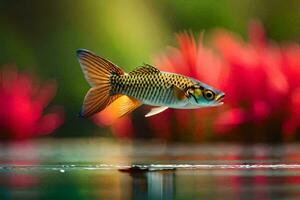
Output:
x=145 y=69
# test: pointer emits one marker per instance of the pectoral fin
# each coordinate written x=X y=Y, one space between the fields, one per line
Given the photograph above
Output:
x=156 y=110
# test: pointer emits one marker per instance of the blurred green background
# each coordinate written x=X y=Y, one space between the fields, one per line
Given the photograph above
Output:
x=42 y=36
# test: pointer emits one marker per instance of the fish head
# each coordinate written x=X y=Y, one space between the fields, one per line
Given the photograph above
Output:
x=202 y=95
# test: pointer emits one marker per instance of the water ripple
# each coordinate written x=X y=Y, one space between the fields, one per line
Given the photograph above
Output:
x=150 y=167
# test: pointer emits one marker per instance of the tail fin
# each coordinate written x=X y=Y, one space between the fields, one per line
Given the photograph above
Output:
x=97 y=71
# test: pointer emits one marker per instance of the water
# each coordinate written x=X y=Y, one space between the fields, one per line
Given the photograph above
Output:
x=103 y=169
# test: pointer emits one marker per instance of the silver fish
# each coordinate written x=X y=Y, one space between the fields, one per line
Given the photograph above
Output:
x=144 y=85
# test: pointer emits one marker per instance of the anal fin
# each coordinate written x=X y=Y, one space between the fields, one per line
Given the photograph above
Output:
x=156 y=110
x=124 y=105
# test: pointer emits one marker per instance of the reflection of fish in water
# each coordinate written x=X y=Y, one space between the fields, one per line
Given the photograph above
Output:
x=144 y=85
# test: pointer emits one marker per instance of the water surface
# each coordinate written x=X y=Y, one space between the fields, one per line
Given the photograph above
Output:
x=103 y=169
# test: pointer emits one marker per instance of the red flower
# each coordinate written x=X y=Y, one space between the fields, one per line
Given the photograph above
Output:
x=262 y=83
x=21 y=106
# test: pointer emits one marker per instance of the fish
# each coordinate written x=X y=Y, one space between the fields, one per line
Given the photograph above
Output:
x=144 y=85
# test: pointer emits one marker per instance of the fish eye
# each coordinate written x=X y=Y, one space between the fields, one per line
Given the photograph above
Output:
x=209 y=95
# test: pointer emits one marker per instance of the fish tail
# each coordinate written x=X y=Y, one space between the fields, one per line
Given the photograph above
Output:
x=97 y=72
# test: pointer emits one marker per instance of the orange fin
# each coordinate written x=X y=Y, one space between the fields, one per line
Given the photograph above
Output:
x=124 y=105
x=96 y=100
x=156 y=110
x=179 y=93
x=97 y=71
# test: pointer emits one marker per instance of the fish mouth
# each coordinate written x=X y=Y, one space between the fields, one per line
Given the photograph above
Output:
x=219 y=98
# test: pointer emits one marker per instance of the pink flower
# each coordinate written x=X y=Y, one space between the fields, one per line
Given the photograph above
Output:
x=21 y=106
x=262 y=82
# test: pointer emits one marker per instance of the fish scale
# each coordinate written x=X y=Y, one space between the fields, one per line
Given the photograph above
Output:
x=154 y=89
